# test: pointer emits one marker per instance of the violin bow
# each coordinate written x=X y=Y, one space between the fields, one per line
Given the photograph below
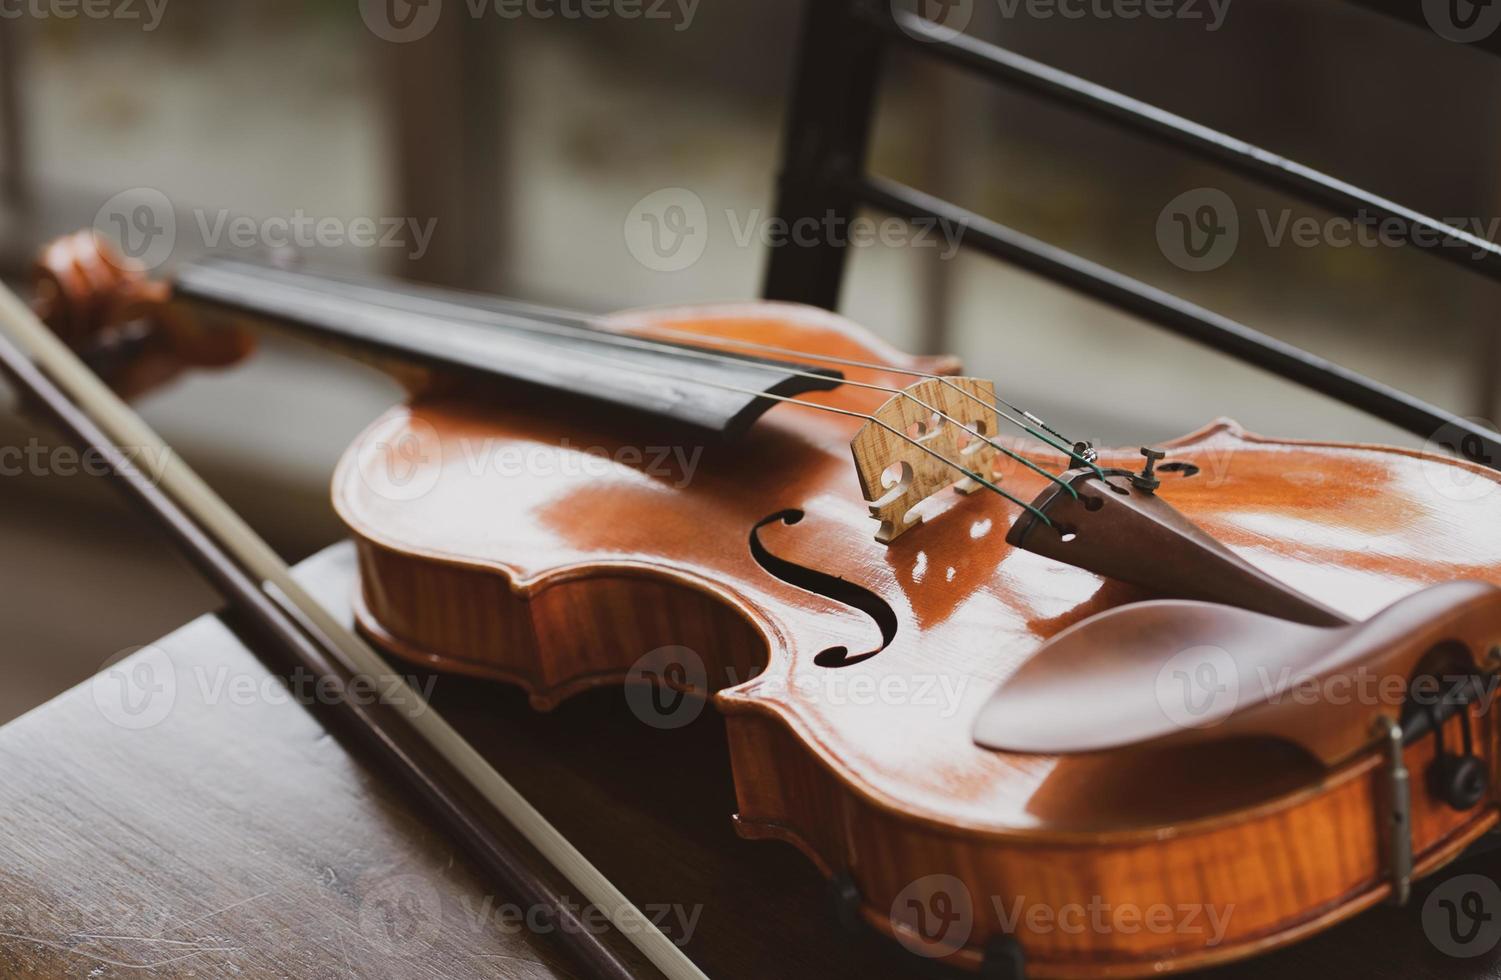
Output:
x=413 y=743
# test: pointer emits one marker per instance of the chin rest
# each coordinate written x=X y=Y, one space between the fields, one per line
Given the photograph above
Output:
x=1176 y=672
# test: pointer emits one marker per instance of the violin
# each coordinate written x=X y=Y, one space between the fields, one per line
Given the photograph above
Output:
x=1033 y=707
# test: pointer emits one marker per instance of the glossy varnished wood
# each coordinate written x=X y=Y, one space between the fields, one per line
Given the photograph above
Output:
x=229 y=836
x=558 y=575
x=239 y=841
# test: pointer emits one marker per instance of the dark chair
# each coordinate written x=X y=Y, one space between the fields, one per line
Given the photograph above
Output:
x=824 y=174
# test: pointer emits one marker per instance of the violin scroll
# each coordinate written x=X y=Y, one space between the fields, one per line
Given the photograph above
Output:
x=101 y=304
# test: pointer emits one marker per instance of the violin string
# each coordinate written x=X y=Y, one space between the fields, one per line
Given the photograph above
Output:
x=851 y=413
x=1066 y=446
x=565 y=318
x=472 y=315
x=780 y=368
x=583 y=321
x=582 y=325
x=724 y=386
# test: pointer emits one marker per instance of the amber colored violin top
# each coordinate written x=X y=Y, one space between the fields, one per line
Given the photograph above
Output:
x=1087 y=676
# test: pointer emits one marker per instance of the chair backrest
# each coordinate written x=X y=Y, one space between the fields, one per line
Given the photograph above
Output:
x=824 y=175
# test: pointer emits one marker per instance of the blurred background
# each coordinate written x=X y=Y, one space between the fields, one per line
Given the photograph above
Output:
x=525 y=144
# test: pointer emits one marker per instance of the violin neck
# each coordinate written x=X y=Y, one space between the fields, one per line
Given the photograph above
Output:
x=550 y=352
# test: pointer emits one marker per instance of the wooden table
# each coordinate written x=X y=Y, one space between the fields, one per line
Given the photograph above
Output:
x=216 y=830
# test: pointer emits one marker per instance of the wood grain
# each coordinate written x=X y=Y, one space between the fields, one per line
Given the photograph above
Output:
x=561 y=572
x=231 y=838
x=929 y=452
x=251 y=821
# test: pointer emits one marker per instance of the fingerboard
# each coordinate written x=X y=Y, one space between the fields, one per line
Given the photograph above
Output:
x=476 y=335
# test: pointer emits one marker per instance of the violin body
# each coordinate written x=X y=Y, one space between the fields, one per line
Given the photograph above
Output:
x=969 y=731
x=563 y=549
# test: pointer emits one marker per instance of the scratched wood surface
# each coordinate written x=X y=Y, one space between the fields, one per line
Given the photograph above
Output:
x=234 y=838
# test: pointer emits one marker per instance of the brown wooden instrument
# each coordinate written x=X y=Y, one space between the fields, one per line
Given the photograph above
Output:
x=1247 y=685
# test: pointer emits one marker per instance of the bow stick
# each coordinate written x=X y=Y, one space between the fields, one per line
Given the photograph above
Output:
x=473 y=801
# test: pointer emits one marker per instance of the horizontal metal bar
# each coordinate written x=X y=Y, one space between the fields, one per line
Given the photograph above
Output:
x=1186 y=319
x=1423 y=232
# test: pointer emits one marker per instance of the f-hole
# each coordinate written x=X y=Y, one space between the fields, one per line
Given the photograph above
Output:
x=830 y=587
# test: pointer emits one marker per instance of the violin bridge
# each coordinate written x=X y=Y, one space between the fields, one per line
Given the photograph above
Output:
x=898 y=472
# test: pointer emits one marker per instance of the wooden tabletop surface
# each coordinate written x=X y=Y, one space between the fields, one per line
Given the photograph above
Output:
x=215 y=829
